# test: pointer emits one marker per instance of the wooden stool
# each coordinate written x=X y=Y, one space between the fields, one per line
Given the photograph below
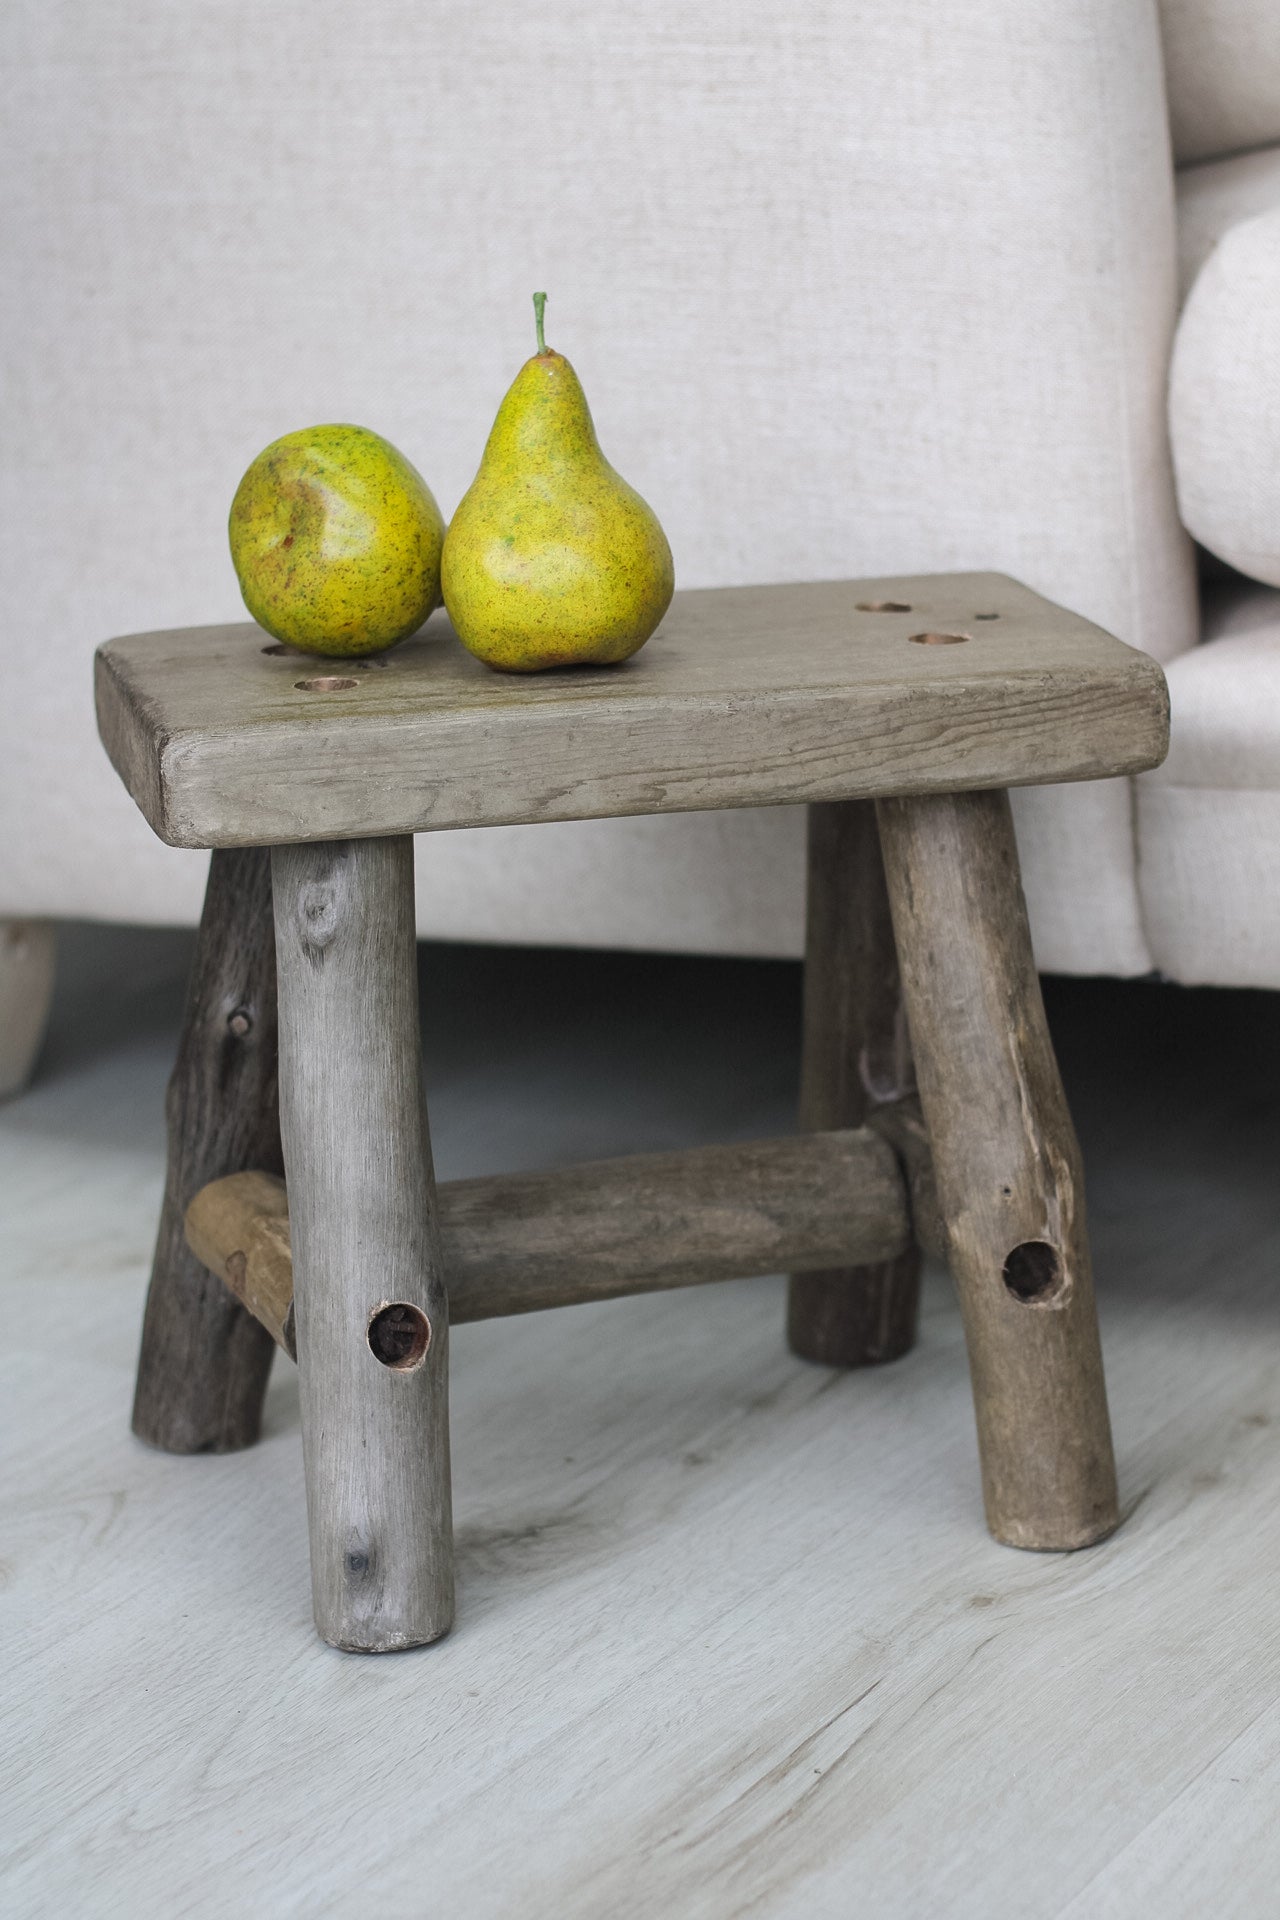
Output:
x=899 y=711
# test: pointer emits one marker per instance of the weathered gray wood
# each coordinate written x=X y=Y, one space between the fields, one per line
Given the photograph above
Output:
x=855 y=1057
x=372 y=1318
x=515 y=1243
x=204 y=1362
x=1008 y=1171
x=901 y=1123
x=745 y=697
x=28 y=954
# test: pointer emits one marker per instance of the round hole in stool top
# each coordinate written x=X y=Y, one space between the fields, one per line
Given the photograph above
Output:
x=399 y=1336
x=326 y=683
x=883 y=606
x=1033 y=1273
x=940 y=639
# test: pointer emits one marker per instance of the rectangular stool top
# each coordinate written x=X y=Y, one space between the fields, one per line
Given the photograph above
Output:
x=745 y=697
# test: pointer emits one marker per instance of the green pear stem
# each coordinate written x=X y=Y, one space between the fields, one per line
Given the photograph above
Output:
x=539 y=312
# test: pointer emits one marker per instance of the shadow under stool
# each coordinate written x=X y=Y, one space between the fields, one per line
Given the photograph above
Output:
x=300 y=1208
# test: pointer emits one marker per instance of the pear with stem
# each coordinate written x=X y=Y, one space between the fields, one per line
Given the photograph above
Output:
x=552 y=560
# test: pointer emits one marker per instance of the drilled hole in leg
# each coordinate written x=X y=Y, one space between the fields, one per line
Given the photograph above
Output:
x=399 y=1336
x=883 y=606
x=1033 y=1272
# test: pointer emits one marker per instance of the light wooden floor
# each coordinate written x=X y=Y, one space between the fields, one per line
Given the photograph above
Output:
x=731 y=1637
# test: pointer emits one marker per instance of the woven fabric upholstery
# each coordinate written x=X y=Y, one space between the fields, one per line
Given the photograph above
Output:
x=1216 y=196
x=1222 y=58
x=1224 y=400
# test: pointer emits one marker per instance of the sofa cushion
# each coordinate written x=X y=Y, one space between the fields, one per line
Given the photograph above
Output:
x=1222 y=63
x=1224 y=699
x=1209 y=819
x=1224 y=401
x=1217 y=196
x=1208 y=859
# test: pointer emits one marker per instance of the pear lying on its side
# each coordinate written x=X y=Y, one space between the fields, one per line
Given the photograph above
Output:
x=552 y=560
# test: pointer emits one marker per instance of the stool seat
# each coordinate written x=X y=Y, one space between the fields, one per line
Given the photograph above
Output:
x=746 y=696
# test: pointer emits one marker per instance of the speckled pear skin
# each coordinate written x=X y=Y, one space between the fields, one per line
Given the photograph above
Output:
x=336 y=541
x=552 y=560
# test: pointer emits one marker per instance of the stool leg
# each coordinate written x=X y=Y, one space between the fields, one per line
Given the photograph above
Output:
x=369 y=1296
x=1007 y=1165
x=855 y=1057
x=203 y=1368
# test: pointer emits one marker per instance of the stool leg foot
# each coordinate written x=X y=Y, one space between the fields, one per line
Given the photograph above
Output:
x=202 y=1370
x=855 y=1057
x=369 y=1295
x=1007 y=1165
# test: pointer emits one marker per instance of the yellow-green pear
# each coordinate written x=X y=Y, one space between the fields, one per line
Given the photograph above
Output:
x=552 y=560
x=336 y=541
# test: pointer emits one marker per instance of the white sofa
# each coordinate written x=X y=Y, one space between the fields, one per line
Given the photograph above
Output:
x=852 y=288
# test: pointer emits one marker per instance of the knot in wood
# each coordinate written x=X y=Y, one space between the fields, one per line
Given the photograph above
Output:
x=318 y=914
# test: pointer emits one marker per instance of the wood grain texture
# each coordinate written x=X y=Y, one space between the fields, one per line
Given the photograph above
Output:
x=901 y=1123
x=204 y=1361
x=855 y=1056
x=358 y=1157
x=1009 y=1177
x=745 y=697
x=519 y=1243
x=239 y=1229
x=28 y=956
